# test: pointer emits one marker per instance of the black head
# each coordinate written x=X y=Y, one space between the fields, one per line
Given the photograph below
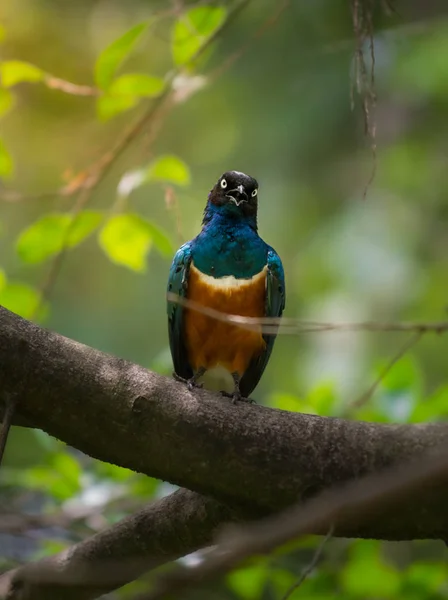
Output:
x=237 y=192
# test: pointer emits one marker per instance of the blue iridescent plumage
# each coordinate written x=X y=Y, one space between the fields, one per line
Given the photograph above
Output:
x=227 y=247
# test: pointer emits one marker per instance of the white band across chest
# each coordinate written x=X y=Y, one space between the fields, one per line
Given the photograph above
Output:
x=229 y=282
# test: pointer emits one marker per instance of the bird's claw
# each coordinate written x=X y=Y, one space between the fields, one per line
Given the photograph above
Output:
x=191 y=383
x=237 y=397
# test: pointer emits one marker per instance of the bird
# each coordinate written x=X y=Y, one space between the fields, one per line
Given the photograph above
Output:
x=229 y=268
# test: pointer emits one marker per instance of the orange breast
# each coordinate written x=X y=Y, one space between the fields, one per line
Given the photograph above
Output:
x=211 y=343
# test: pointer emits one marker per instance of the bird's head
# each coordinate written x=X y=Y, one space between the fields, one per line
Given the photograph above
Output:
x=235 y=194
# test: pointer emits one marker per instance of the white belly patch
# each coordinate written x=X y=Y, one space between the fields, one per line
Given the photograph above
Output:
x=217 y=379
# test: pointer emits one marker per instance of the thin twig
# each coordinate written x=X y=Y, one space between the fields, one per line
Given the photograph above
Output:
x=55 y=83
x=287 y=326
x=365 y=397
x=311 y=566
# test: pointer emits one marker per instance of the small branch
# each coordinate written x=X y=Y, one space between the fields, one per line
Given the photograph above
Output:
x=55 y=83
x=310 y=567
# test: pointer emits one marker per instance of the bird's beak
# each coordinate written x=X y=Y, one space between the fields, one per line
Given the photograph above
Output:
x=237 y=195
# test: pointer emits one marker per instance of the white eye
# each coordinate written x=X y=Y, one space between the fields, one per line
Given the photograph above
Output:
x=223 y=184
x=254 y=193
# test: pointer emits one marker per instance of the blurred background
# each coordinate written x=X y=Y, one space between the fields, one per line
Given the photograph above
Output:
x=278 y=99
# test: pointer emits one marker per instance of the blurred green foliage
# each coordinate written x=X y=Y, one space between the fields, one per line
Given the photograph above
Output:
x=281 y=113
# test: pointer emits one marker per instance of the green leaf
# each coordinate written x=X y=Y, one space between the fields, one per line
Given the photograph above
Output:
x=69 y=470
x=15 y=71
x=249 y=582
x=83 y=225
x=137 y=84
x=108 y=106
x=323 y=398
x=111 y=58
x=46 y=236
x=169 y=168
x=192 y=29
x=367 y=575
x=432 y=408
x=6 y=101
x=2 y=279
x=6 y=162
x=161 y=240
x=426 y=577
x=48 y=480
x=127 y=239
x=21 y=299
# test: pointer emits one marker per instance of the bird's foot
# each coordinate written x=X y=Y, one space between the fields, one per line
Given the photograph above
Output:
x=237 y=397
x=236 y=394
x=191 y=383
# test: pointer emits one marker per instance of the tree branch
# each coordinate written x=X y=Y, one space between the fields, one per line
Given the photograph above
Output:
x=121 y=413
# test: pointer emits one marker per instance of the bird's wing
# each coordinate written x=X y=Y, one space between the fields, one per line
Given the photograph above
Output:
x=275 y=303
x=177 y=284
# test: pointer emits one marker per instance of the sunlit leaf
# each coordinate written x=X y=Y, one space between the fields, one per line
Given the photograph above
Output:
x=169 y=168
x=6 y=162
x=6 y=101
x=16 y=71
x=43 y=238
x=47 y=236
x=111 y=58
x=137 y=84
x=83 y=225
x=108 y=106
x=22 y=299
x=126 y=239
x=192 y=29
